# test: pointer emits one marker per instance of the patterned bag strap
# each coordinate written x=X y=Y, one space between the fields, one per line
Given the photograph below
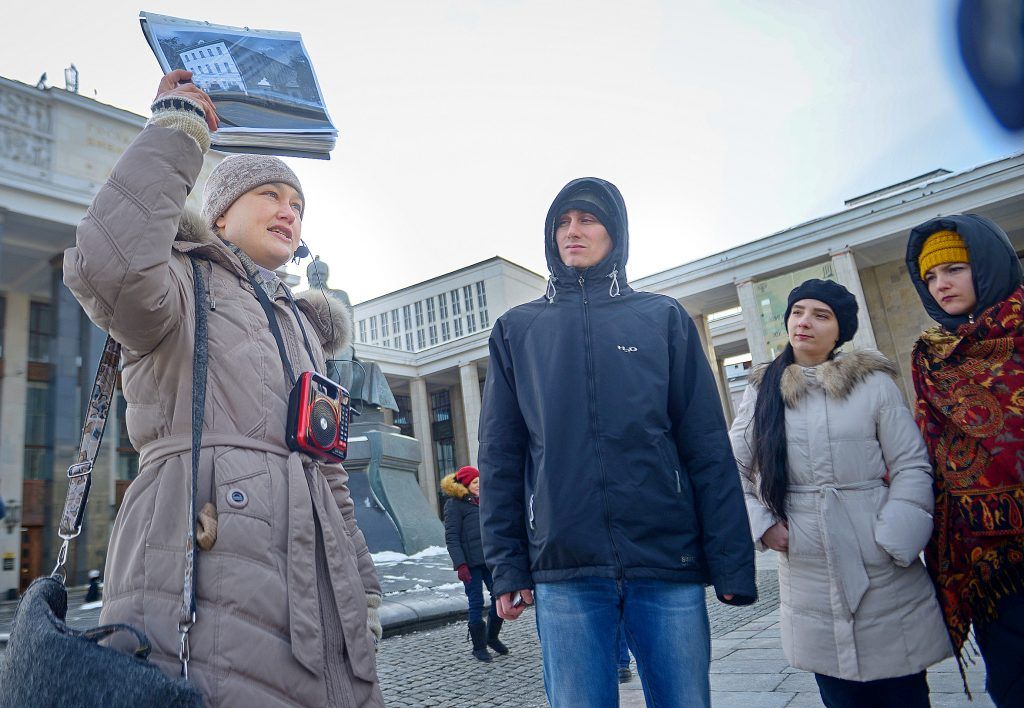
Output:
x=200 y=357
x=80 y=473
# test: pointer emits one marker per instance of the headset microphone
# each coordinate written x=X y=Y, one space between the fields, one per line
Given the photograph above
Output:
x=301 y=252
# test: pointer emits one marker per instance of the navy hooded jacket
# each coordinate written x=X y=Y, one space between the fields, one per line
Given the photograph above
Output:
x=603 y=448
x=995 y=268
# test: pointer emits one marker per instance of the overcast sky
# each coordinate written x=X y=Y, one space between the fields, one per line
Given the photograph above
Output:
x=721 y=122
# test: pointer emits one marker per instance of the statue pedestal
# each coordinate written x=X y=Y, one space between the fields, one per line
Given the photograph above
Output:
x=390 y=508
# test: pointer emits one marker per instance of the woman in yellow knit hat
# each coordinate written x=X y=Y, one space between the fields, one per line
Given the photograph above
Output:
x=969 y=380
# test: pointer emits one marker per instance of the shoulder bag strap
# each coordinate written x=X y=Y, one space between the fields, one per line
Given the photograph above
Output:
x=80 y=473
x=200 y=359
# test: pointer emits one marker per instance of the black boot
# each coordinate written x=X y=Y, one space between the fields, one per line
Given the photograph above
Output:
x=493 y=627
x=478 y=632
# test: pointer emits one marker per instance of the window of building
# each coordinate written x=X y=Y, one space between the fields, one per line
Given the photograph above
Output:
x=219 y=52
x=37 y=423
x=40 y=331
x=217 y=65
x=398 y=342
x=386 y=343
x=467 y=298
x=481 y=295
x=455 y=303
x=127 y=457
x=458 y=326
x=446 y=332
x=421 y=340
x=442 y=305
x=408 y=342
x=484 y=322
x=362 y=330
x=373 y=328
x=418 y=307
x=407 y=317
x=470 y=323
x=442 y=432
x=403 y=418
x=433 y=334
x=384 y=325
x=3 y=316
x=394 y=320
x=430 y=310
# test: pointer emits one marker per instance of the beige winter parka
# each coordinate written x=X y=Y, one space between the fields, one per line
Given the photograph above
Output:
x=283 y=592
x=856 y=602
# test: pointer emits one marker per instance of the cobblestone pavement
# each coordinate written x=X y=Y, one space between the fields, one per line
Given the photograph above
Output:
x=435 y=667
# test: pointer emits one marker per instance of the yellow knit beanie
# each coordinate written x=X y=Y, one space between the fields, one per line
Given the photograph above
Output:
x=942 y=247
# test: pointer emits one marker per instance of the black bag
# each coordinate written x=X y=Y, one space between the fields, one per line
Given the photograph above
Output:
x=47 y=663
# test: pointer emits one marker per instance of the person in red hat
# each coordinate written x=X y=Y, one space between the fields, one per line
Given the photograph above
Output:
x=462 y=536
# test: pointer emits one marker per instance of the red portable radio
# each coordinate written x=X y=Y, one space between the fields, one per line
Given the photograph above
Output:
x=319 y=412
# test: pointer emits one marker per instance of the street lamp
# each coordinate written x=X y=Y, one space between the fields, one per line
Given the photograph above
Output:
x=13 y=516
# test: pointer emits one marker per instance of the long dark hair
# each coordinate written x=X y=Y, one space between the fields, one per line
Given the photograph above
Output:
x=770 y=435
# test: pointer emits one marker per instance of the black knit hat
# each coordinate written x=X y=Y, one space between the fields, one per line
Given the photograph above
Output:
x=841 y=300
x=589 y=201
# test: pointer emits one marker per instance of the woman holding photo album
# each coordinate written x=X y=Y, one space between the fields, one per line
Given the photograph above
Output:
x=286 y=594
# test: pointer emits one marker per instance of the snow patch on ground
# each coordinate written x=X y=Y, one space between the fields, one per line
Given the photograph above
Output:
x=394 y=557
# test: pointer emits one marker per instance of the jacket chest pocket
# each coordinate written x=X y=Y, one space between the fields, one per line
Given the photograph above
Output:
x=243 y=494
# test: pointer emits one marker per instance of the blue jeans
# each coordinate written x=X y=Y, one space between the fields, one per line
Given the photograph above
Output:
x=666 y=625
x=475 y=593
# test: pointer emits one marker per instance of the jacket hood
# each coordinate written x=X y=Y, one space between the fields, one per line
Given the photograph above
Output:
x=995 y=267
x=837 y=376
x=619 y=231
x=452 y=488
x=328 y=314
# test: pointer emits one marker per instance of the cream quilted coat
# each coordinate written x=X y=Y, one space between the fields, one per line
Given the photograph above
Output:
x=283 y=592
x=856 y=602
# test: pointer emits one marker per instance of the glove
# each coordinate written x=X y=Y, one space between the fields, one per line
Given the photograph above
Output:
x=373 y=618
x=464 y=574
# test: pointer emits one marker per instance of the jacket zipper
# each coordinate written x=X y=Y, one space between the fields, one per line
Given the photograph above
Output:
x=593 y=414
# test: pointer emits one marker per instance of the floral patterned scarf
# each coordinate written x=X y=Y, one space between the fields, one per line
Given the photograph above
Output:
x=970 y=408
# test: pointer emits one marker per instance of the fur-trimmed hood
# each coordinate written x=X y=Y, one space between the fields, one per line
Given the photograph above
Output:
x=327 y=313
x=452 y=488
x=837 y=376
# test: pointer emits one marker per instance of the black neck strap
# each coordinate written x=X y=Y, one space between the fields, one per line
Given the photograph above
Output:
x=275 y=328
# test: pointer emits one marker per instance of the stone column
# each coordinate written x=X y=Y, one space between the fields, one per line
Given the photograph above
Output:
x=752 y=321
x=13 y=403
x=469 y=380
x=704 y=331
x=421 y=430
x=846 y=271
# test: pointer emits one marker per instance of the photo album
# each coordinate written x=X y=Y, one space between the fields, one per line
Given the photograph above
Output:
x=262 y=83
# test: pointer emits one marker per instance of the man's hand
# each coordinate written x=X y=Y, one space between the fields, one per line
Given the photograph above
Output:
x=463 y=572
x=777 y=537
x=506 y=610
x=171 y=86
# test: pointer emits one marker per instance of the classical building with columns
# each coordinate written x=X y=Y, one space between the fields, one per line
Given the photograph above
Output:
x=736 y=298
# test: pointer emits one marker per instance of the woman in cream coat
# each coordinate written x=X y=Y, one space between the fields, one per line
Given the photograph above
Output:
x=837 y=481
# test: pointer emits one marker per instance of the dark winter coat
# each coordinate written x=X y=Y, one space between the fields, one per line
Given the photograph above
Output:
x=603 y=448
x=461 y=524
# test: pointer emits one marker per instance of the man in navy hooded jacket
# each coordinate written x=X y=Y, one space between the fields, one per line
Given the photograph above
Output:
x=608 y=484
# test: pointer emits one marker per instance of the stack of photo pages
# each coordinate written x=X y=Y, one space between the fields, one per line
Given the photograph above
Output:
x=262 y=83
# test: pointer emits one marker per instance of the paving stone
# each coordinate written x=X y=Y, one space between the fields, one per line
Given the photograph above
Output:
x=746 y=682
x=750 y=699
x=800 y=682
x=743 y=653
x=747 y=666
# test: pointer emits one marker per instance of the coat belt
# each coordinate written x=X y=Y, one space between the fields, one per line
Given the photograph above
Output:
x=305 y=627
x=842 y=547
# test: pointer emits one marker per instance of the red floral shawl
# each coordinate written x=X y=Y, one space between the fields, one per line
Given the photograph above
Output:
x=970 y=408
